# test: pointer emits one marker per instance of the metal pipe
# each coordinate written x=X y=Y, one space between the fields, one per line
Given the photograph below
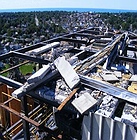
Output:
x=4 y=71
x=16 y=128
x=21 y=115
x=17 y=123
x=13 y=98
x=10 y=96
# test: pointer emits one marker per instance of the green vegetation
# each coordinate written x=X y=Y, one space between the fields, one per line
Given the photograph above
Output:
x=6 y=67
x=123 y=21
x=24 y=69
x=27 y=68
x=23 y=25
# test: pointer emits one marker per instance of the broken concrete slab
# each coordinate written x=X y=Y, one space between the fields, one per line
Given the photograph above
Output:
x=39 y=74
x=84 y=102
x=44 y=48
x=118 y=74
x=133 y=78
x=67 y=72
x=109 y=77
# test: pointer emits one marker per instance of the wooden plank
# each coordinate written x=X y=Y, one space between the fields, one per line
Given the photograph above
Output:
x=16 y=105
x=3 y=98
x=67 y=99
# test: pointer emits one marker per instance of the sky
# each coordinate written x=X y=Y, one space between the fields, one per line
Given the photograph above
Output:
x=105 y=4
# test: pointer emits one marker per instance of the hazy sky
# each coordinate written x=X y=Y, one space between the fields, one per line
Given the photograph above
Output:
x=108 y=4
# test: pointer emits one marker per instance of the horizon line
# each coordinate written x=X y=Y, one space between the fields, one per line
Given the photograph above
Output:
x=14 y=9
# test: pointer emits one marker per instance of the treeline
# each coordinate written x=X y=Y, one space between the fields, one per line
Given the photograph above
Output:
x=24 y=23
x=123 y=21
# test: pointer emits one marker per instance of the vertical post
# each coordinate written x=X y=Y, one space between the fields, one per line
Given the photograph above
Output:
x=25 y=123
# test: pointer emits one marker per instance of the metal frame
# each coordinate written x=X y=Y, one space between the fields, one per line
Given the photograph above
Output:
x=97 y=58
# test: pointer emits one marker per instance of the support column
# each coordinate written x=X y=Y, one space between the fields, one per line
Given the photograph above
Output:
x=25 y=123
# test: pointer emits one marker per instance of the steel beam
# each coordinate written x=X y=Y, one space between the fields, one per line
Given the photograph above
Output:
x=30 y=87
x=6 y=56
x=84 y=35
x=97 y=56
x=14 y=67
x=24 y=108
x=127 y=59
x=109 y=89
x=28 y=48
x=102 y=41
x=91 y=32
x=20 y=121
x=10 y=82
x=132 y=49
x=31 y=58
x=43 y=100
x=73 y=40
x=23 y=50
x=103 y=36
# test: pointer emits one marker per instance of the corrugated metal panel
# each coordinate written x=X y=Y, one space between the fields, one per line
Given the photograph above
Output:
x=96 y=127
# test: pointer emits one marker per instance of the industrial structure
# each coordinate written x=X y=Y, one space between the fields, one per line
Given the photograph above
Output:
x=83 y=86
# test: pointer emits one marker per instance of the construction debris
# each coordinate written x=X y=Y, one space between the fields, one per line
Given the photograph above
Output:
x=39 y=74
x=84 y=102
x=129 y=115
x=88 y=74
x=67 y=72
x=109 y=77
x=108 y=106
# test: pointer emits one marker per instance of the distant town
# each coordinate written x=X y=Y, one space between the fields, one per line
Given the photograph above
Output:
x=21 y=29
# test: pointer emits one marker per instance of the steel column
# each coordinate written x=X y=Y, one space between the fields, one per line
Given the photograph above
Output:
x=25 y=123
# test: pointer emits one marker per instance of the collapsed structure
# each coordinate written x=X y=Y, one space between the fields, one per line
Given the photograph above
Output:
x=84 y=87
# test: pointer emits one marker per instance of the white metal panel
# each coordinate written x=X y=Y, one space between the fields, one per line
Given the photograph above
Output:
x=96 y=127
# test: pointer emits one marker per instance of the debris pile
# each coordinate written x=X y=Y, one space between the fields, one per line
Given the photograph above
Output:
x=92 y=74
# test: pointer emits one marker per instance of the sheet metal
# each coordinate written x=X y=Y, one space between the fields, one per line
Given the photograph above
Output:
x=96 y=127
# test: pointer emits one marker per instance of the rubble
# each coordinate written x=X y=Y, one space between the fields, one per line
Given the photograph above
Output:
x=108 y=106
x=17 y=92
x=43 y=48
x=109 y=77
x=45 y=92
x=129 y=114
